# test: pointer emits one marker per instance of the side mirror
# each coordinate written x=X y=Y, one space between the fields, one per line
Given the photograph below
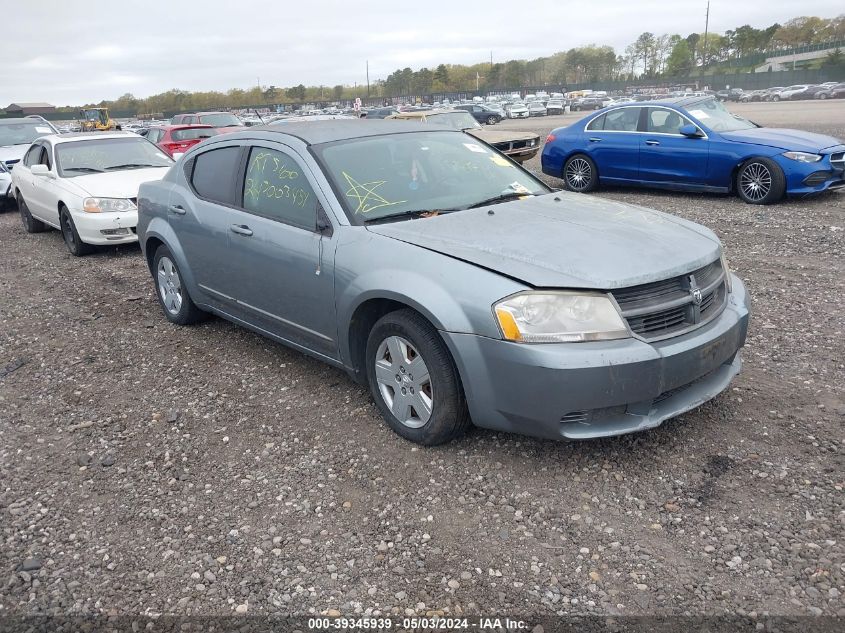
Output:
x=41 y=170
x=690 y=131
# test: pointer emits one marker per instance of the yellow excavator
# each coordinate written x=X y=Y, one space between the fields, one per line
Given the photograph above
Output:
x=96 y=120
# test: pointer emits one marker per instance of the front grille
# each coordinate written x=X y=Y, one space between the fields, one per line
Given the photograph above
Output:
x=673 y=306
x=503 y=147
x=838 y=160
x=134 y=201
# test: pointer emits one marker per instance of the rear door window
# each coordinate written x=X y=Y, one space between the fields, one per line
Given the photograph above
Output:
x=275 y=187
x=622 y=120
x=214 y=174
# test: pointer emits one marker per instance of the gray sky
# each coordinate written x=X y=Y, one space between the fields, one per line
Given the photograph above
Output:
x=75 y=52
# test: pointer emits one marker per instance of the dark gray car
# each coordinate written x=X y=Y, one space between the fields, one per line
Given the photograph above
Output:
x=445 y=277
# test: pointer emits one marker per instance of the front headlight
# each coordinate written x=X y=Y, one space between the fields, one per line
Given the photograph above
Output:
x=107 y=205
x=803 y=157
x=559 y=317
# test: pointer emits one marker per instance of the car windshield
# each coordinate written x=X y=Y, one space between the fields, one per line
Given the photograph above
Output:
x=220 y=120
x=462 y=120
x=717 y=117
x=95 y=155
x=191 y=133
x=23 y=133
x=411 y=172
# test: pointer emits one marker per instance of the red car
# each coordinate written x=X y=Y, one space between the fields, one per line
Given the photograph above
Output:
x=178 y=139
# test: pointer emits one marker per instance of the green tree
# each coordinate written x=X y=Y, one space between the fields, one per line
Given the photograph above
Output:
x=680 y=62
x=297 y=93
x=337 y=92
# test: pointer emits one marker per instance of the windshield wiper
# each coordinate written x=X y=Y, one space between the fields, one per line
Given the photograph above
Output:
x=91 y=170
x=502 y=197
x=415 y=213
x=133 y=166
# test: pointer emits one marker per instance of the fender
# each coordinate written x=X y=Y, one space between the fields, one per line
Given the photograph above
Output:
x=160 y=229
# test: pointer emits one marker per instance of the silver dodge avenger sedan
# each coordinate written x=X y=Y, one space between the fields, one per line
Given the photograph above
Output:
x=446 y=278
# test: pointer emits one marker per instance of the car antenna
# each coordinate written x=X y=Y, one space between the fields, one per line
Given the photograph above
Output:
x=260 y=118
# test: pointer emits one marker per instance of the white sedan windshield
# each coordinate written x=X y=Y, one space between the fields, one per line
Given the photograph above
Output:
x=90 y=156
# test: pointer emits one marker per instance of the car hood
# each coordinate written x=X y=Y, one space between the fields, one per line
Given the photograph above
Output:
x=12 y=152
x=117 y=184
x=498 y=136
x=795 y=140
x=565 y=240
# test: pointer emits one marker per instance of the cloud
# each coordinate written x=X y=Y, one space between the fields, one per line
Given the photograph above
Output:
x=64 y=55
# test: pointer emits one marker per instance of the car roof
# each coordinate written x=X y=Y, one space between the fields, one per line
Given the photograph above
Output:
x=26 y=119
x=680 y=102
x=85 y=136
x=419 y=114
x=317 y=132
x=181 y=126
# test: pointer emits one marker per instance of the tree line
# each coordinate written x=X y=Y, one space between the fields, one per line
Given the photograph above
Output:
x=650 y=56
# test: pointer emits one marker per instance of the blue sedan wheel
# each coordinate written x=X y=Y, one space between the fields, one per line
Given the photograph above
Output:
x=760 y=181
x=580 y=174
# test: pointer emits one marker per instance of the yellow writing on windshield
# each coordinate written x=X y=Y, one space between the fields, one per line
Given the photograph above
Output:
x=366 y=195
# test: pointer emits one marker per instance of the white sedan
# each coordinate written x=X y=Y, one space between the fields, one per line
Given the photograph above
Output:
x=86 y=185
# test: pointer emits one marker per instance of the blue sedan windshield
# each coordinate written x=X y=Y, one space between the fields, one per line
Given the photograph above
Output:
x=717 y=117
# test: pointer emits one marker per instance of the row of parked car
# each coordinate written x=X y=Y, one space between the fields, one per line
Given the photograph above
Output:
x=451 y=282
x=828 y=90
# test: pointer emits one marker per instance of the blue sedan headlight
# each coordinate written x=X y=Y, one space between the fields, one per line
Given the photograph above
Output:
x=803 y=157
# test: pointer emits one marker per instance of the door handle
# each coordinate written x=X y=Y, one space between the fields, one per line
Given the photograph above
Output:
x=595 y=139
x=241 y=229
x=177 y=209
x=652 y=142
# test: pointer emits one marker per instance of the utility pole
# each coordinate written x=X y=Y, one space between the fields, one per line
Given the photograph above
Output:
x=368 y=78
x=706 y=29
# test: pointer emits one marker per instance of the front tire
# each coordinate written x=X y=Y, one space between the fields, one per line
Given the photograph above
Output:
x=580 y=174
x=75 y=245
x=172 y=295
x=491 y=120
x=30 y=224
x=776 y=98
x=413 y=380
x=760 y=181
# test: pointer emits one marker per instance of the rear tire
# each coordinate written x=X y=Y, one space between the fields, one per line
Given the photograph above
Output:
x=776 y=98
x=30 y=224
x=491 y=120
x=75 y=245
x=172 y=294
x=428 y=409
x=580 y=174
x=760 y=181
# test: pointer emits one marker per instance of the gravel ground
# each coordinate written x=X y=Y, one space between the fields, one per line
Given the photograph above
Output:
x=147 y=468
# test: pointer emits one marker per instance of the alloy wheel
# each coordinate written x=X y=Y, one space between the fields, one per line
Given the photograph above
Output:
x=169 y=285
x=404 y=381
x=578 y=174
x=755 y=181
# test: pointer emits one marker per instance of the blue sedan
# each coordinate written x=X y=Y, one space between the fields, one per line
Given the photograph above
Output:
x=692 y=144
